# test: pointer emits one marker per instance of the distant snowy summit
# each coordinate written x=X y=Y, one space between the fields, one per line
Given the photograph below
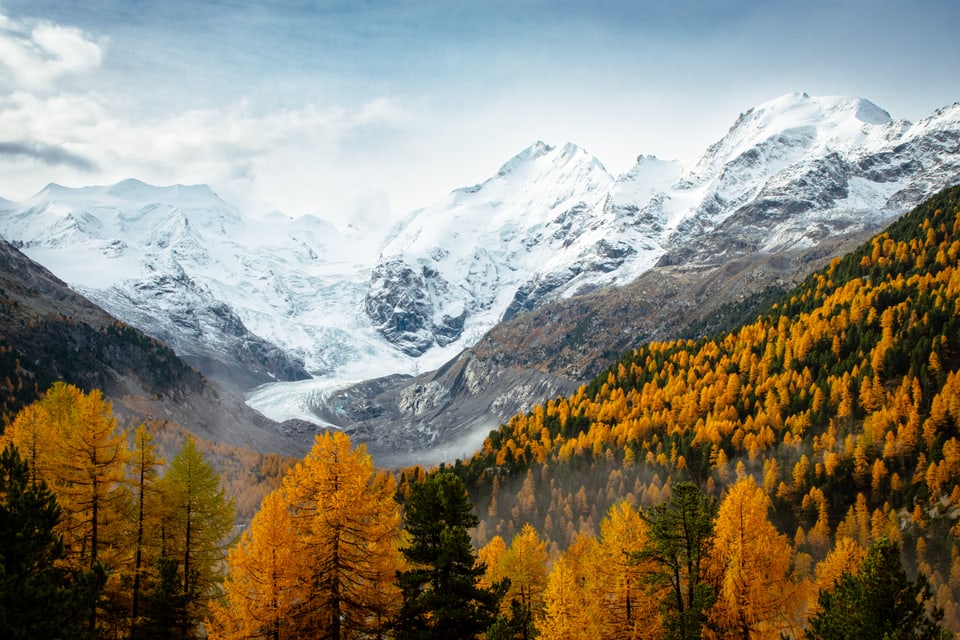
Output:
x=553 y=222
x=254 y=299
x=249 y=300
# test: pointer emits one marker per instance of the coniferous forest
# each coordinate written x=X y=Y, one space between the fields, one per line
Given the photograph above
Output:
x=798 y=476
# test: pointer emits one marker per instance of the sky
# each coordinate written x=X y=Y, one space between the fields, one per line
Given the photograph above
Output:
x=366 y=110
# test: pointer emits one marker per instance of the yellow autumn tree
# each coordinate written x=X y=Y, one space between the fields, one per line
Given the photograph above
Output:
x=73 y=443
x=348 y=529
x=265 y=582
x=524 y=563
x=32 y=435
x=751 y=561
x=571 y=611
x=845 y=557
x=490 y=555
x=627 y=609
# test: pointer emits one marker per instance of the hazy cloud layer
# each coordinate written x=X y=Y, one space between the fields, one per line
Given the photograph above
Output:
x=35 y=55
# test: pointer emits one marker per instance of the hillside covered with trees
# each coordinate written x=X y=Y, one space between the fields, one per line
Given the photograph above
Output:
x=798 y=476
x=840 y=402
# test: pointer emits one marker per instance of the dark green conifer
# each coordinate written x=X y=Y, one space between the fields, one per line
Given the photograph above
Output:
x=37 y=599
x=441 y=596
x=166 y=610
x=681 y=530
x=879 y=601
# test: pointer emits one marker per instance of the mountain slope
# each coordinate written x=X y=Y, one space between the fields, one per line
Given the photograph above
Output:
x=48 y=333
x=760 y=210
x=789 y=174
x=840 y=399
x=188 y=269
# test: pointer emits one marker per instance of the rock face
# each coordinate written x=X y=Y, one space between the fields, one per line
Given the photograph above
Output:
x=448 y=272
x=794 y=183
x=411 y=307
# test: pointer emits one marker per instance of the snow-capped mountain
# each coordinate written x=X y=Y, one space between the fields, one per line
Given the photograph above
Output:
x=450 y=270
x=264 y=298
x=247 y=299
x=553 y=223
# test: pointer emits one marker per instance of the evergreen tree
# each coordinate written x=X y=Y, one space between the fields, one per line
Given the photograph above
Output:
x=679 y=539
x=166 y=608
x=197 y=529
x=37 y=599
x=879 y=601
x=441 y=595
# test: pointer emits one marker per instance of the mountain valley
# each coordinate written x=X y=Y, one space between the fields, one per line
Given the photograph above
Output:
x=498 y=295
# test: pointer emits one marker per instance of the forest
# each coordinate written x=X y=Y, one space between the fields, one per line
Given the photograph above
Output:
x=794 y=477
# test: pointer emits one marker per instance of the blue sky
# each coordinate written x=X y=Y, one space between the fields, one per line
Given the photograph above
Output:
x=374 y=108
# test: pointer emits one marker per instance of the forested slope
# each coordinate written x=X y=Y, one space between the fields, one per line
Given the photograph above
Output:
x=842 y=401
x=48 y=333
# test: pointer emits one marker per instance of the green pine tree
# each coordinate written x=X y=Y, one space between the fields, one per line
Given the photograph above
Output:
x=879 y=601
x=166 y=614
x=197 y=530
x=37 y=599
x=441 y=596
x=680 y=533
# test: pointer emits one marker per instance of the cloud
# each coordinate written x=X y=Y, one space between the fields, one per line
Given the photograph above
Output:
x=37 y=55
x=307 y=158
x=47 y=154
x=382 y=112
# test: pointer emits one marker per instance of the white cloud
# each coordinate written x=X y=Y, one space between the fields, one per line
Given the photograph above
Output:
x=52 y=130
x=382 y=111
x=382 y=125
x=301 y=159
x=37 y=56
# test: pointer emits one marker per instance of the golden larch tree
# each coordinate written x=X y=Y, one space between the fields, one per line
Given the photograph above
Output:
x=628 y=610
x=348 y=526
x=757 y=598
x=571 y=612
x=72 y=440
x=265 y=582
x=524 y=563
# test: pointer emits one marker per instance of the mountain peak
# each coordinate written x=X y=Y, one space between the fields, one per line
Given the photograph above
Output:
x=134 y=190
x=799 y=124
x=798 y=108
x=127 y=187
x=53 y=189
x=537 y=150
x=540 y=158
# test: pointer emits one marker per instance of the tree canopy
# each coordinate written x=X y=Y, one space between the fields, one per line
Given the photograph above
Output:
x=442 y=597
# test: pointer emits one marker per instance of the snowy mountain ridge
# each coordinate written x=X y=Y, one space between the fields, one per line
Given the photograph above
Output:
x=788 y=173
x=270 y=298
x=244 y=298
